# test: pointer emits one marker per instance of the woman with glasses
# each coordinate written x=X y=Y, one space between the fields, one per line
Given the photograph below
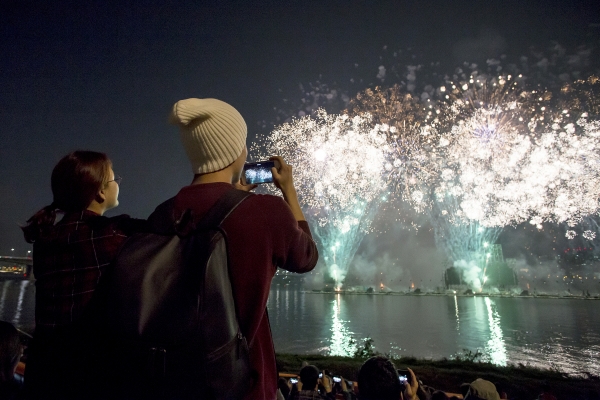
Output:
x=70 y=255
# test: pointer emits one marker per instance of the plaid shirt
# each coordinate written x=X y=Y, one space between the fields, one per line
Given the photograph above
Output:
x=69 y=259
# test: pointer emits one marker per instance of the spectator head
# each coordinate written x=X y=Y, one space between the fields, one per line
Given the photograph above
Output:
x=10 y=350
x=213 y=133
x=282 y=384
x=378 y=380
x=502 y=389
x=309 y=376
x=439 y=395
x=76 y=181
x=480 y=389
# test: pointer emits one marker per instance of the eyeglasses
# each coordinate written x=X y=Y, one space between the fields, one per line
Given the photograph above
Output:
x=117 y=179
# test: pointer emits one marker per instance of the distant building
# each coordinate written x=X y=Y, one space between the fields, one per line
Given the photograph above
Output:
x=16 y=268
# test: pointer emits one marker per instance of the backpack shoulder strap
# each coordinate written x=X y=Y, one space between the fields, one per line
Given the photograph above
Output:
x=221 y=210
x=163 y=221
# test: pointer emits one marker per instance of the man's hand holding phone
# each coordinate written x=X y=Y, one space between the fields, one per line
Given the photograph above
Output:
x=411 y=386
x=282 y=175
x=283 y=179
x=325 y=380
x=245 y=187
x=275 y=170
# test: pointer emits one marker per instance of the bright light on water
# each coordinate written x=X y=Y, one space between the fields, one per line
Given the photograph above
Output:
x=495 y=345
x=341 y=344
x=19 y=309
x=542 y=332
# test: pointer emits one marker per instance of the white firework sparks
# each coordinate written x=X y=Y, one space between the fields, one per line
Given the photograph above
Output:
x=474 y=155
x=506 y=163
x=339 y=165
x=589 y=235
x=490 y=154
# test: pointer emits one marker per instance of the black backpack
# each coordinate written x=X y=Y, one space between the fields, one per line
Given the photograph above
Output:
x=170 y=311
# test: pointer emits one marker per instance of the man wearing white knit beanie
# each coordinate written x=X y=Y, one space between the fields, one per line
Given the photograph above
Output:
x=213 y=133
x=263 y=233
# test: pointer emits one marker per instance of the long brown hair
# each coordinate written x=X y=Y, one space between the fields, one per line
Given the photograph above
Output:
x=76 y=180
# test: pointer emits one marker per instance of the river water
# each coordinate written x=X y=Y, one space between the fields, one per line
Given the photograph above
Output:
x=547 y=333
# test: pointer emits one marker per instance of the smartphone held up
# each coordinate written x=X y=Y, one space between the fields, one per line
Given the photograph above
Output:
x=404 y=376
x=258 y=172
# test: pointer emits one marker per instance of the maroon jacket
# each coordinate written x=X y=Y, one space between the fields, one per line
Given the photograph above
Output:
x=262 y=234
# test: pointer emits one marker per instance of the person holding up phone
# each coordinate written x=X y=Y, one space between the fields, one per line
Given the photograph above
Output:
x=308 y=387
x=263 y=233
x=378 y=379
x=411 y=386
x=340 y=391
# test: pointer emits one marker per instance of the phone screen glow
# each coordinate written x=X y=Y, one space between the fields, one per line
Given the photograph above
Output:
x=259 y=172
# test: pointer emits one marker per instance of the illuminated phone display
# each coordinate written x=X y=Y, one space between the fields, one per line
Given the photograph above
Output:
x=258 y=172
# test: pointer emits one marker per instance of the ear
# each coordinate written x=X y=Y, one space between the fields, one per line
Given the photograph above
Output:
x=100 y=196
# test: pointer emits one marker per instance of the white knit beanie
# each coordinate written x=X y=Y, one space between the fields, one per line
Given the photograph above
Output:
x=213 y=133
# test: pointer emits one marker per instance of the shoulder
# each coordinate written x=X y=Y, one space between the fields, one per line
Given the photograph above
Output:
x=273 y=209
x=259 y=210
x=122 y=223
x=267 y=201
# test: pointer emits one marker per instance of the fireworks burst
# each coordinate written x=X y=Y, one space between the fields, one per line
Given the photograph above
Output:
x=486 y=153
x=404 y=121
x=475 y=154
x=339 y=175
x=589 y=235
x=506 y=158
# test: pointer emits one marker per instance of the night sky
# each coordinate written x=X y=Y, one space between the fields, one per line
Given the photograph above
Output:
x=87 y=75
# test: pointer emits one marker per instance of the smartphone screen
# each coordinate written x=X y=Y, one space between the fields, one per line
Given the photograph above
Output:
x=293 y=380
x=321 y=375
x=404 y=376
x=337 y=379
x=258 y=172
